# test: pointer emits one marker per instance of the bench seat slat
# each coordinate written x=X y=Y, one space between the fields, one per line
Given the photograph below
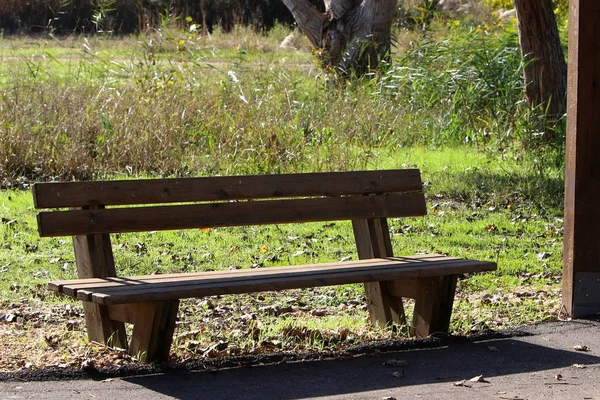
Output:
x=142 y=219
x=274 y=282
x=154 y=191
x=71 y=287
x=152 y=288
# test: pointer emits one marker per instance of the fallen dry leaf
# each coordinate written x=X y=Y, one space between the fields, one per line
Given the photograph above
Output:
x=478 y=378
x=580 y=347
x=462 y=383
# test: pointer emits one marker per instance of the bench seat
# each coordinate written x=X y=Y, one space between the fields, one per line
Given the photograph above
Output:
x=123 y=290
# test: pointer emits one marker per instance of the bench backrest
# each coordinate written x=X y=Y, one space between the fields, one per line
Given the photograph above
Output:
x=166 y=204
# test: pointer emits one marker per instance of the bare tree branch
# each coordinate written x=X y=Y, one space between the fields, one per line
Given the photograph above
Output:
x=353 y=36
x=338 y=8
x=309 y=19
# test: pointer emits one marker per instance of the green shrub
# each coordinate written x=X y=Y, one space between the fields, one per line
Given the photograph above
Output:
x=469 y=86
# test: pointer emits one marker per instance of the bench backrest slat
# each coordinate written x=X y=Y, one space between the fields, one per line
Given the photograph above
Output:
x=141 y=219
x=157 y=191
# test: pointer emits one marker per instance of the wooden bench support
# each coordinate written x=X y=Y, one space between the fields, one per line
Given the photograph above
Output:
x=434 y=297
x=384 y=310
x=94 y=258
x=433 y=305
x=373 y=241
x=101 y=328
x=153 y=330
x=153 y=327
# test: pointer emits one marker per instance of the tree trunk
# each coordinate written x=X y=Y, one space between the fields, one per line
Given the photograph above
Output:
x=545 y=72
x=353 y=36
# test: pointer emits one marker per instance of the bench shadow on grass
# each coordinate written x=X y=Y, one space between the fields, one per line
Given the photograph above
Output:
x=368 y=373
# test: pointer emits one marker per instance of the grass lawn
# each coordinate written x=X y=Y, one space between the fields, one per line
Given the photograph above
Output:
x=170 y=103
x=524 y=240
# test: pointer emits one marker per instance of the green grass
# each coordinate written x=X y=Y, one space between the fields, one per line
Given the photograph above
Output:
x=470 y=215
x=171 y=104
x=174 y=104
x=525 y=241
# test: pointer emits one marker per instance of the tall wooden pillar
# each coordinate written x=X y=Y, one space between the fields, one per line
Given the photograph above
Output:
x=581 y=274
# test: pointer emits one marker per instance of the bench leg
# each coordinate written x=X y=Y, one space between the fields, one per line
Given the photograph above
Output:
x=94 y=258
x=384 y=309
x=373 y=240
x=101 y=328
x=153 y=330
x=433 y=305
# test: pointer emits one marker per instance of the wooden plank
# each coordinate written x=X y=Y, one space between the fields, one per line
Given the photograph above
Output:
x=243 y=273
x=435 y=267
x=427 y=304
x=155 y=191
x=582 y=176
x=94 y=258
x=373 y=240
x=153 y=330
x=200 y=288
x=403 y=288
x=142 y=219
x=70 y=287
x=71 y=284
x=328 y=277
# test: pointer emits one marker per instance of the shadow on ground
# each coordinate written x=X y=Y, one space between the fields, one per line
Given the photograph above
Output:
x=363 y=374
x=558 y=361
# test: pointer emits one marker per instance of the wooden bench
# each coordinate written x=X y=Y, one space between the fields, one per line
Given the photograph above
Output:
x=91 y=211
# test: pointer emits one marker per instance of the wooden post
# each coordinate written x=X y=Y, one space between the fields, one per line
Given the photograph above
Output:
x=373 y=240
x=433 y=305
x=94 y=258
x=581 y=274
x=153 y=330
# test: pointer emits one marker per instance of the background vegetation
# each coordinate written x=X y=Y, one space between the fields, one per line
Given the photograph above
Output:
x=135 y=16
x=174 y=101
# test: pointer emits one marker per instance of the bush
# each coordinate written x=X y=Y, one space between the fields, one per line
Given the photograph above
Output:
x=470 y=84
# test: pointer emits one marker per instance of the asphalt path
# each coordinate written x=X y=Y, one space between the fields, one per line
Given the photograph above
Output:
x=550 y=361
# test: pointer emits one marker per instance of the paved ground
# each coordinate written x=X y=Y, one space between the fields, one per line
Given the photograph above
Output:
x=541 y=364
